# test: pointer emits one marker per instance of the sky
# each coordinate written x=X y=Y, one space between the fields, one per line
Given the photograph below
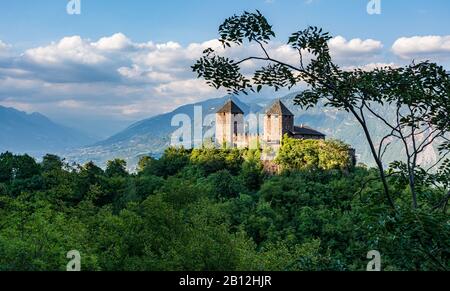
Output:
x=121 y=61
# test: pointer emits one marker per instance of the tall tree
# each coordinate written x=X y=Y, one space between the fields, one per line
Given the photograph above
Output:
x=419 y=93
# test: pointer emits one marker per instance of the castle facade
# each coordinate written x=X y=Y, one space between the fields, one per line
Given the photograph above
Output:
x=278 y=120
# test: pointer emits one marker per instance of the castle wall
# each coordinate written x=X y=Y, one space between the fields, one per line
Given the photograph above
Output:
x=227 y=126
x=276 y=126
x=231 y=131
x=272 y=129
x=246 y=141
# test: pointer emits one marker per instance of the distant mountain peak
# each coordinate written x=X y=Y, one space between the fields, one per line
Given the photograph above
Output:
x=35 y=133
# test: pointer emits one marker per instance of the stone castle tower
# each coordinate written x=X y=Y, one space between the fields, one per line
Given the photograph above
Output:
x=229 y=124
x=278 y=121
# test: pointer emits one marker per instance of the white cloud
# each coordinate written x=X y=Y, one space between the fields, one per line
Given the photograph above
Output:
x=124 y=79
x=422 y=47
x=354 y=50
x=118 y=41
x=71 y=49
x=189 y=87
x=136 y=73
x=4 y=50
x=164 y=55
x=284 y=53
x=371 y=66
x=3 y=45
x=18 y=87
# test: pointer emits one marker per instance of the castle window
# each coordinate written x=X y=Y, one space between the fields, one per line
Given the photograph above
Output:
x=235 y=128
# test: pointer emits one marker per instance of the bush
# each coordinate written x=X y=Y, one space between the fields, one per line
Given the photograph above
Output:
x=297 y=154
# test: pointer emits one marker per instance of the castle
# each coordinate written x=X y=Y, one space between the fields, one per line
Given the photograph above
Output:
x=278 y=120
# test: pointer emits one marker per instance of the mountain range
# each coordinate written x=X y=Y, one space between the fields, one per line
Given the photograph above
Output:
x=148 y=137
x=36 y=134
x=151 y=136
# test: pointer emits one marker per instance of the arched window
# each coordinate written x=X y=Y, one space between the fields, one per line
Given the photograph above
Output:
x=235 y=128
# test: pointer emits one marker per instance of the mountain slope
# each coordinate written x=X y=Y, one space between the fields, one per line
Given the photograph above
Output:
x=36 y=134
x=149 y=136
x=152 y=136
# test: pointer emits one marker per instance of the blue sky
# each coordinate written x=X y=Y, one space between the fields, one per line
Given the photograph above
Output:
x=26 y=22
x=120 y=61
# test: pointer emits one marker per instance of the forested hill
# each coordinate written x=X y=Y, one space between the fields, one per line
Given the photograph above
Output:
x=216 y=210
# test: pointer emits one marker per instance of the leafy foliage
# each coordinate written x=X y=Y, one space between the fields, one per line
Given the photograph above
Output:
x=250 y=26
x=418 y=93
x=298 y=154
x=213 y=210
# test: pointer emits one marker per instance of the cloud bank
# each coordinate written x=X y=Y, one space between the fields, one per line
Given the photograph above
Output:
x=432 y=46
x=119 y=78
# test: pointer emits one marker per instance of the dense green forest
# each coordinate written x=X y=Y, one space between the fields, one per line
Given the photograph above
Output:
x=212 y=209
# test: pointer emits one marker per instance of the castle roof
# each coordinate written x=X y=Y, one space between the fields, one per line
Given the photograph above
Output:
x=308 y=131
x=230 y=107
x=278 y=108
